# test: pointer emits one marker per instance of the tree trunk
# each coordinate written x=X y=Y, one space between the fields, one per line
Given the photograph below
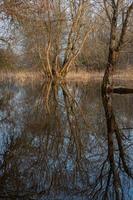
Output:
x=114 y=46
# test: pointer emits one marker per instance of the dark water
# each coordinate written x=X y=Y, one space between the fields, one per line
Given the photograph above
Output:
x=55 y=145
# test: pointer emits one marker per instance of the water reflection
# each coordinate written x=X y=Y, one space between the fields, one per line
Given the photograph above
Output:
x=119 y=154
x=55 y=144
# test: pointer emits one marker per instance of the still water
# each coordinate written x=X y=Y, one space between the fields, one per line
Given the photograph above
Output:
x=57 y=143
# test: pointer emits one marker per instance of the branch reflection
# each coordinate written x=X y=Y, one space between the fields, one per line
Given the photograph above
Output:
x=59 y=148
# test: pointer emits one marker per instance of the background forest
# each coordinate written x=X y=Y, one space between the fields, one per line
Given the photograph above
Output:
x=59 y=35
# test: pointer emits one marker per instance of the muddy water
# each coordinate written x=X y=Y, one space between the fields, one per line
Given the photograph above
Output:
x=54 y=143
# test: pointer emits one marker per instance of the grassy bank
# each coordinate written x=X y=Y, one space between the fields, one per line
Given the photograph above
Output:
x=81 y=76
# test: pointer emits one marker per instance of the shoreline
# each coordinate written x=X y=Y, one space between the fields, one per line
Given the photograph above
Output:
x=80 y=76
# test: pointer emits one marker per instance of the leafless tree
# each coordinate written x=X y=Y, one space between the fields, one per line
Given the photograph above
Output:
x=56 y=30
x=118 y=13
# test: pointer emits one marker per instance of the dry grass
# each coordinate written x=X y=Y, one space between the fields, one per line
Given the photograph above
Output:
x=26 y=76
x=124 y=74
x=83 y=76
x=121 y=74
x=22 y=76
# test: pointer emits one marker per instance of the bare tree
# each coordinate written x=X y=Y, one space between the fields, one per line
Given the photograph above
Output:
x=118 y=13
x=55 y=30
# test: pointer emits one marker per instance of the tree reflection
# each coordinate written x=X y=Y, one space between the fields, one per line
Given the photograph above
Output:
x=118 y=151
x=59 y=154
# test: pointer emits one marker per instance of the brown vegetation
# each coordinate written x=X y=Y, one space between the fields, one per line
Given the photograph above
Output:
x=57 y=36
x=24 y=76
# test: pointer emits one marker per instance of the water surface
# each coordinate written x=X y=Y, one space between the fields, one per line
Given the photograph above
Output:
x=54 y=142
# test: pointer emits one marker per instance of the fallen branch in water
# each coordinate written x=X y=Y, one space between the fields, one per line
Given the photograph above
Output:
x=122 y=90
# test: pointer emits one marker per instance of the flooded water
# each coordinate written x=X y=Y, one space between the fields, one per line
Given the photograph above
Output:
x=65 y=142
